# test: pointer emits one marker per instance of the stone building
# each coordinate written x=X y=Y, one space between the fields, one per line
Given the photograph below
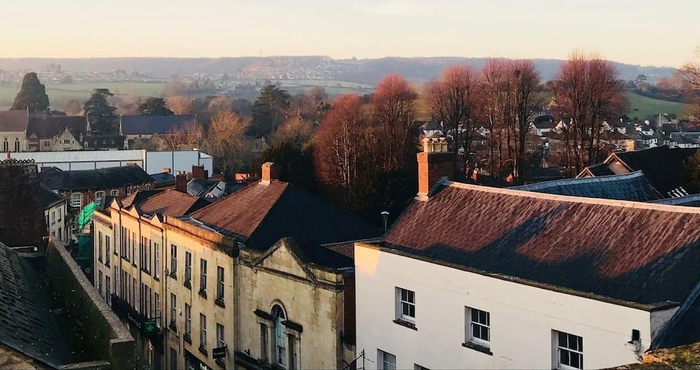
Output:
x=13 y=129
x=269 y=247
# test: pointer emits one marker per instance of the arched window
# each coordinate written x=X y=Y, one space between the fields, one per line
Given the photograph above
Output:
x=99 y=195
x=17 y=145
x=114 y=193
x=5 y=146
x=280 y=337
x=76 y=200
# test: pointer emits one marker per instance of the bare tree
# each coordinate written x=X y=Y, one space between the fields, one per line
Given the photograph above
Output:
x=526 y=79
x=452 y=100
x=393 y=112
x=227 y=139
x=295 y=129
x=588 y=91
x=188 y=137
x=180 y=104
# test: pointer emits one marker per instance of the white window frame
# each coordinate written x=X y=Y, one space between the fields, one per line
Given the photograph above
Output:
x=173 y=309
x=156 y=301
x=76 y=200
x=404 y=303
x=573 y=346
x=188 y=320
x=385 y=360
x=99 y=195
x=156 y=267
x=203 y=275
x=114 y=192
x=482 y=323
x=220 y=273
x=220 y=342
x=188 y=267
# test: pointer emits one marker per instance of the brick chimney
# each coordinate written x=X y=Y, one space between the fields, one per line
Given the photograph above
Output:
x=269 y=172
x=198 y=172
x=181 y=182
x=434 y=163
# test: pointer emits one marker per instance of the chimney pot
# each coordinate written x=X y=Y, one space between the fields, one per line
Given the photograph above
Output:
x=166 y=169
x=269 y=172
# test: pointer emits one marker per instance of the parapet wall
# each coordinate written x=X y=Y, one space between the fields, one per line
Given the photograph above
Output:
x=106 y=338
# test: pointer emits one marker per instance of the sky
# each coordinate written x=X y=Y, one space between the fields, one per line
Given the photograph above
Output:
x=645 y=32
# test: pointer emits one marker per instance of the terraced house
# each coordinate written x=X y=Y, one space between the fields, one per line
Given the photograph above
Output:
x=261 y=278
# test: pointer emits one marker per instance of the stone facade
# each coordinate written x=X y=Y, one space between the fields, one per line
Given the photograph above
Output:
x=56 y=222
x=312 y=302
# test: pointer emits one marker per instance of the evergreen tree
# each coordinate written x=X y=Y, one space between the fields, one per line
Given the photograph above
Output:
x=32 y=95
x=269 y=110
x=154 y=107
x=101 y=115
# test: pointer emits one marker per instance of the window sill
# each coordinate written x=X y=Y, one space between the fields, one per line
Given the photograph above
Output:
x=187 y=338
x=134 y=264
x=405 y=323
x=478 y=348
x=220 y=362
x=220 y=302
x=100 y=259
x=203 y=293
x=156 y=278
x=187 y=284
x=173 y=275
x=203 y=350
x=107 y=264
x=173 y=328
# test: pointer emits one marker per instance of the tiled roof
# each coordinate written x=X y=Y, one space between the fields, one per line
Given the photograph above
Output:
x=138 y=197
x=663 y=167
x=632 y=186
x=21 y=205
x=99 y=179
x=49 y=127
x=49 y=197
x=687 y=201
x=148 y=125
x=163 y=179
x=591 y=246
x=13 y=120
x=171 y=203
x=26 y=322
x=261 y=214
x=600 y=169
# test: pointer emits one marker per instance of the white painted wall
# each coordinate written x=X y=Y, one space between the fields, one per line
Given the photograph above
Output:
x=522 y=318
x=181 y=160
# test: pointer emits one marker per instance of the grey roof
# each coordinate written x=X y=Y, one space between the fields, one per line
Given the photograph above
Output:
x=26 y=322
x=163 y=178
x=13 y=121
x=632 y=186
x=148 y=125
x=48 y=197
x=99 y=179
x=201 y=188
x=687 y=201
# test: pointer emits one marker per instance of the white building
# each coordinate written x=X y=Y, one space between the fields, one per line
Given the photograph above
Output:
x=473 y=277
x=151 y=162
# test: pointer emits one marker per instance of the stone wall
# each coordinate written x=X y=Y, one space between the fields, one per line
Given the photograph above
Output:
x=106 y=338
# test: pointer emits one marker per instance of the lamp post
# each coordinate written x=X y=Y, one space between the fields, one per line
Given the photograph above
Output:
x=385 y=216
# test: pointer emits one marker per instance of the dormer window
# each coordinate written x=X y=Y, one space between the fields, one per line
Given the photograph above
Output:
x=76 y=200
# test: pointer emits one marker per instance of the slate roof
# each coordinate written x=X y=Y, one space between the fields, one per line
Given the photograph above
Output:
x=171 y=203
x=632 y=186
x=26 y=322
x=200 y=188
x=13 y=120
x=21 y=205
x=687 y=201
x=49 y=127
x=99 y=179
x=663 y=167
x=261 y=214
x=148 y=125
x=163 y=179
x=48 y=197
x=590 y=247
x=138 y=197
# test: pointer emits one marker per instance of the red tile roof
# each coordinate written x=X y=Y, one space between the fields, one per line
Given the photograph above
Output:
x=261 y=214
x=171 y=203
x=241 y=212
x=635 y=252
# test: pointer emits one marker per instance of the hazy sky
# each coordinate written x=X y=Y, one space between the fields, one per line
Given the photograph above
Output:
x=647 y=32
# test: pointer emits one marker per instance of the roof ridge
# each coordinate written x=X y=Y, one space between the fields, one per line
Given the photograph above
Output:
x=576 y=199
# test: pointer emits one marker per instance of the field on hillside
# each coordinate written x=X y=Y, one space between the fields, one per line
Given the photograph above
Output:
x=642 y=107
x=60 y=94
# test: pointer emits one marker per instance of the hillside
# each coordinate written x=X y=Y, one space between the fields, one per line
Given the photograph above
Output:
x=364 y=71
x=642 y=107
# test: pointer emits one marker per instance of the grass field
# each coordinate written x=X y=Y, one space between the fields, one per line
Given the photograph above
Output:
x=60 y=94
x=642 y=107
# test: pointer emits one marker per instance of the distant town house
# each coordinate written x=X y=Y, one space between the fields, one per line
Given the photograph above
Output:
x=145 y=128
x=55 y=134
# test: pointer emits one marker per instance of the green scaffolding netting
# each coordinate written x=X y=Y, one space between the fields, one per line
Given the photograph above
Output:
x=86 y=215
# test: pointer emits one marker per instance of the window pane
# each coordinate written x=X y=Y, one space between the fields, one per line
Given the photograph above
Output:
x=411 y=297
x=562 y=340
x=404 y=295
x=574 y=360
x=475 y=315
x=412 y=310
x=404 y=309
x=564 y=357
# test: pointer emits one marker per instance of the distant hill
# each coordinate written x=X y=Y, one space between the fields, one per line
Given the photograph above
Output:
x=366 y=71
